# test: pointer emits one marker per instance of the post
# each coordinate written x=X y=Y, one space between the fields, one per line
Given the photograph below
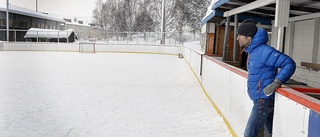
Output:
x=235 y=44
x=7 y=20
x=68 y=37
x=281 y=20
x=58 y=37
x=15 y=35
x=36 y=5
x=163 y=23
x=37 y=36
x=226 y=40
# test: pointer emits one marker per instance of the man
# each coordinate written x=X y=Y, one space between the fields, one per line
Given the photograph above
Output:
x=263 y=77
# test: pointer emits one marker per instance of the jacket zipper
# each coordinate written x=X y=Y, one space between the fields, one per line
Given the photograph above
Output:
x=259 y=86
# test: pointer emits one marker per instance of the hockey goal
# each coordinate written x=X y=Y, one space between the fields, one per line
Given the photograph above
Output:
x=87 y=47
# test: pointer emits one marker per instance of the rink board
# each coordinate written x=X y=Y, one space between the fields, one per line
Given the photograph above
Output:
x=224 y=84
x=296 y=114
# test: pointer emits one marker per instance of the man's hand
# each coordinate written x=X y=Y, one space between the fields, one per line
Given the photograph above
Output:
x=272 y=87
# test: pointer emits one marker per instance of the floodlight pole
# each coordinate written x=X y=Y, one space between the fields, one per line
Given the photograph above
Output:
x=163 y=23
x=36 y=5
x=7 y=20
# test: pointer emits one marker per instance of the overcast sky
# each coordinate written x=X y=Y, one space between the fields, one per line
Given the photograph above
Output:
x=81 y=9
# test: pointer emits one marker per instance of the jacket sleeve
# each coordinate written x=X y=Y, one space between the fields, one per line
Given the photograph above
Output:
x=275 y=59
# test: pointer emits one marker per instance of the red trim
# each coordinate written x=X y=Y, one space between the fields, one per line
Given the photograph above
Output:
x=293 y=92
x=306 y=89
x=301 y=98
x=230 y=67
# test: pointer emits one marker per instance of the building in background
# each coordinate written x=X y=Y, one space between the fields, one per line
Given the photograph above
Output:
x=50 y=35
x=21 y=20
x=85 y=32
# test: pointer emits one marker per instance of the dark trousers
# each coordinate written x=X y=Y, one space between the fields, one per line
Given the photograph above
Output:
x=262 y=113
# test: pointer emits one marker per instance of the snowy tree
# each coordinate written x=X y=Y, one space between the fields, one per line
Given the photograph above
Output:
x=114 y=15
x=191 y=14
x=145 y=15
x=196 y=9
x=144 y=22
x=98 y=16
x=130 y=12
x=170 y=14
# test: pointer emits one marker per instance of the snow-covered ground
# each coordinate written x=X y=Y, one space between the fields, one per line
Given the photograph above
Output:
x=60 y=94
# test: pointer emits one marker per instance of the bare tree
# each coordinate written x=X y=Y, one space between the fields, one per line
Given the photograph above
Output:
x=197 y=10
x=145 y=15
x=98 y=15
x=131 y=11
x=144 y=21
x=191 y=14
x=170 y=14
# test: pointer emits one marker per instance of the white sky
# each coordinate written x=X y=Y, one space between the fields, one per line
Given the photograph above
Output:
x=81 y=9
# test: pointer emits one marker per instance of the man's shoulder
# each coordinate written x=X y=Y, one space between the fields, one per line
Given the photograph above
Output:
x=265 y=48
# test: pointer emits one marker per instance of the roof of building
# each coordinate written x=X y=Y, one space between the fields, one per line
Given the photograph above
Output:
x=49 y=33
x=263 y=14
x=28 y=12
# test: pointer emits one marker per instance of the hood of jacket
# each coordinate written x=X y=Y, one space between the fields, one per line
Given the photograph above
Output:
x=260 y=38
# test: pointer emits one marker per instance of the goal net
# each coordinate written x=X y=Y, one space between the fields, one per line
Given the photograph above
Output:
x=87 y=47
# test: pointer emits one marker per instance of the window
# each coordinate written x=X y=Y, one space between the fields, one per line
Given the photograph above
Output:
x=3 y=22
x=23 y=24
x=10 y=23
x=28 y=25
x=34 y=25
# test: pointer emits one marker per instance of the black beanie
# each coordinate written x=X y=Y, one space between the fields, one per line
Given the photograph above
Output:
x=248 y=28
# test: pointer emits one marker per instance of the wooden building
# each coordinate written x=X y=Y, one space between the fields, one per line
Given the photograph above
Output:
x=221 y=40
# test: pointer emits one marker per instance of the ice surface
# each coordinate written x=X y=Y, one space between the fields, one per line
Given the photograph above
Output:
x=60 y=94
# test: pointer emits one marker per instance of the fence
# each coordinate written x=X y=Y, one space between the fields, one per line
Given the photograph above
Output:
x=137 y=38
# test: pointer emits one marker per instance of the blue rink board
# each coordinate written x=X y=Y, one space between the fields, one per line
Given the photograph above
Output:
x=314 y=124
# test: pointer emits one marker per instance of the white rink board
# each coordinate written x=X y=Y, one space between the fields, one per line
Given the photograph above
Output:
x=290 y=115
x=74 y=47
x=228 y=90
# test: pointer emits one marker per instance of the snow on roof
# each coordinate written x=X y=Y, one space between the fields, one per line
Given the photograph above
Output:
x=209 y=9
x=209 y=12
x=76 y=23
x=28 y=12
x=48 y=33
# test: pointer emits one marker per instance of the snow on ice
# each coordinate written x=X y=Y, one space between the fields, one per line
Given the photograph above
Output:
x=103 y=95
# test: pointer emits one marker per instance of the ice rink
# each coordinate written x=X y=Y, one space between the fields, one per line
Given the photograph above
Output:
x=68 y=94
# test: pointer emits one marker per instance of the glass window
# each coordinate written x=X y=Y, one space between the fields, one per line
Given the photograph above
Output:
x=28 y=25
x=34 y=25
x=10 y=23
x=3 y=22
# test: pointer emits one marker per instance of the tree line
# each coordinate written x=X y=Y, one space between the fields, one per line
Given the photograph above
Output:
x=145 y=15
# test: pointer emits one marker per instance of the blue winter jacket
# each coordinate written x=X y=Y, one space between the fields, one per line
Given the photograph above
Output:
x=263 y=63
